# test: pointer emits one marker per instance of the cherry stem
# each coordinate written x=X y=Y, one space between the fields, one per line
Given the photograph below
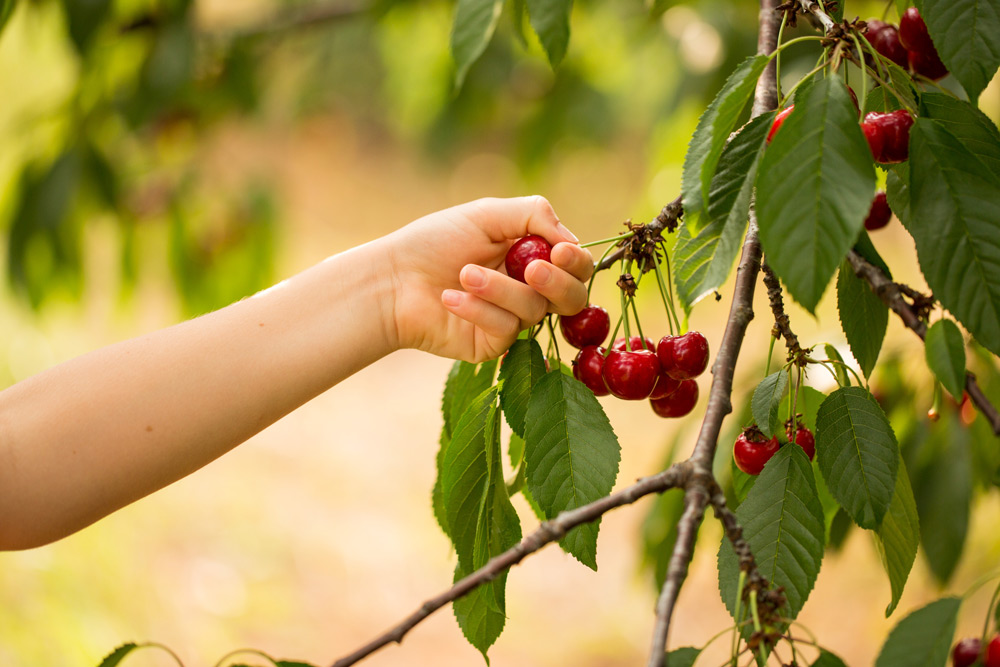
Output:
x=924 y=79
x=624 y=307
x=756 y=622
x=808 y=76
x=770 y=351
x=795 y=401
x=613 y=335
x=989 y=614
x=638 y=325
x=552 y=339
x=739 y=600
x=620 y=237
x=590 y=285
x=666 y=292
x=864 y=72
x=777 y=57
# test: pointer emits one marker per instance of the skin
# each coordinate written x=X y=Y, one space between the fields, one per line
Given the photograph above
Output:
x=89 y=436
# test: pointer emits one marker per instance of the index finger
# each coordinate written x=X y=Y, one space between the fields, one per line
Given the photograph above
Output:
x=509 y=219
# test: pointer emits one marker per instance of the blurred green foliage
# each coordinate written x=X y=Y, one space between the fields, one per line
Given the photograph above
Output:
x=106 y=122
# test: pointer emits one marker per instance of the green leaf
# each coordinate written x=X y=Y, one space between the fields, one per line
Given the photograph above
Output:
x=943 y=490
x=482 y=520
x=550 y=19
x=944 y=349
x=116 y=656
x=902 y=83
x=814 y=189
x=956 y=226
x=897 y=192
x=6 y=9
x=857 y=454
x=475 y=22
x=711 y=135
x=865 y=248
x=702 y=261
x=843 y=378
x=827 y=659
x=659 y=533
x=863 y=317
x=923 y=638
x=783 y=523
x=83 y=18
x=766 y=399
x=572 y=455
x=742 y=482
x=683 y=657
x=965 y=36
x=969 y=125
x=522 y=367
x=826 y=500
x=899 y=536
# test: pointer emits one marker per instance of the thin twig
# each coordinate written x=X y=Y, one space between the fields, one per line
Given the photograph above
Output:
x=816 y=10
x=666 y=219
x=550 y=531
x=892 y=295
x=782 y=325
x=288 y=20
x=719 y=397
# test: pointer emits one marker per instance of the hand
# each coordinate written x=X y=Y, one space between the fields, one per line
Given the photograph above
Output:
x=451 y=294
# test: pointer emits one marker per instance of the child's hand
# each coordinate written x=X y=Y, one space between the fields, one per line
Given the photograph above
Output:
x=452 y=297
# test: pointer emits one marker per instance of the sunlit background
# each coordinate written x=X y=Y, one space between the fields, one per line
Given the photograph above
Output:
x=172 y=157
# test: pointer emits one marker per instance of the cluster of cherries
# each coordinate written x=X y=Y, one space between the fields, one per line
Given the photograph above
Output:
x=633 y=369
x=910 y=45
x=969 y=651
x=753 y=449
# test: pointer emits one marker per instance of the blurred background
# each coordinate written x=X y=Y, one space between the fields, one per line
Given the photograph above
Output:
x=164 y=158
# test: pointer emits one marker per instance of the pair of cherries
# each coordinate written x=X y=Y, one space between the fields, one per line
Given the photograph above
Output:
x=969 y=651
x=753 y=450
x=636 y=368
x=910 y=45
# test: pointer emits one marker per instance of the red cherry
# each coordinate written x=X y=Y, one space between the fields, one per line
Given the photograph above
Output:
x=993 y=652
x=895 y=130
x=665 y=385
x=884 y=38
x=636 y=343
x=966 y=652
x=524 y=252
x=588 y=327
x=928 y=63
x=778 y=120
x=752 y=450
x=804 y=439
x=913 y=33
x=631 y=375
x=588 y=368
x=683 y=357
x=678 y=403
x=875 y=141
x=879 y=214
x=854 y=98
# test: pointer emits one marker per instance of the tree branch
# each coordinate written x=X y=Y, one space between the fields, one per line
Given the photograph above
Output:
x=719 y=397
x=676 y=475
x=666 y=219
x=782 y=325
x=816 y=10
x=891 y=295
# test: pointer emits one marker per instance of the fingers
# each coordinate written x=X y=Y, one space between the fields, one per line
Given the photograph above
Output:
x=573 y=259
x=565 y=293
x=491 y=319
x=504 y=219
x=527 y=305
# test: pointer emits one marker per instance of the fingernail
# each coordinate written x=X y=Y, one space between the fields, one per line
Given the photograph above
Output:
x=451 y=298
x=474 y=276
x=566 y=233
x=541 y=275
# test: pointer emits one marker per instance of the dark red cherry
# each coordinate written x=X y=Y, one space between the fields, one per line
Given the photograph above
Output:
x=524 y=252
x=636 y=343
x=879 y=214
x=683 y=357
x=588 y=327
x=928 y=63
x=993 y=652
x=913 y=33
x=895 y=130
x=875 y=139
x=966 y=652
x=804 y=439
x=884 y=38
x=588 y=368
x=665 y=385
x=631 y=375
x=752 y=450
x=678 y=403
x=778 y=121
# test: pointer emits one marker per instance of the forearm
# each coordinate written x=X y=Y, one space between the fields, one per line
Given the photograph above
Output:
x=87 y=437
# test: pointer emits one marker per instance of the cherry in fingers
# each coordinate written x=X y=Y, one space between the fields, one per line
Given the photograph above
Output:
x=966 y=652
x=993 y=652
x=752 y=450
x=879 y=214
x=588 y=368
x=778 y=120
x=636 y=343
x=679 y=402
x=804 y=438
x=683 y=357
x=631 y=375
x=524 y=251
x=588 y=327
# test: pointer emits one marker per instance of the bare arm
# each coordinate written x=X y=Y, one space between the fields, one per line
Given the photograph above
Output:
x=91 y=435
